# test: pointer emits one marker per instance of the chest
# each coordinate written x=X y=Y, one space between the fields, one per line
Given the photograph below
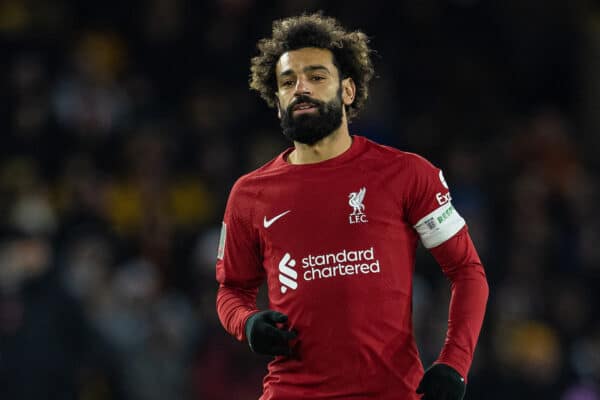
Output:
x=336 y=237
x=327 y=213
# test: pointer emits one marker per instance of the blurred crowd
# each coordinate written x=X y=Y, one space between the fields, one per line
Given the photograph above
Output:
x=124 y=124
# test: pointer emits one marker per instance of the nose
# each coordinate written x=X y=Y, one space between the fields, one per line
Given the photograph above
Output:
x=302 y=87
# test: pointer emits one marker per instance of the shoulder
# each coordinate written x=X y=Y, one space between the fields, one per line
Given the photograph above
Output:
x=252 y=182
x=243 y=187
x=419 y=164
x=391 y=155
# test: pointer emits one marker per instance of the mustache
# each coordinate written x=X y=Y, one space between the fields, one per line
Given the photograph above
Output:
x=304 y=99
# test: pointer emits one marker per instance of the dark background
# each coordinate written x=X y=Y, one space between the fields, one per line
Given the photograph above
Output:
x=124 y=124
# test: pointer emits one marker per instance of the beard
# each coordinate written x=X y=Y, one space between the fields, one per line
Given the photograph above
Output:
x=310 y=128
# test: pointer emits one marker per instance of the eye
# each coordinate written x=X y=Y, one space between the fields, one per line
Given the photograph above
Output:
x=318 y=78
x=287 y=83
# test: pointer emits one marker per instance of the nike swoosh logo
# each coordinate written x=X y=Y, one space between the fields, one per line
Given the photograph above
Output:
x=268 y=222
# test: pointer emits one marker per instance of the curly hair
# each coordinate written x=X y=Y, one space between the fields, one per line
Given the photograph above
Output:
x=351 y=54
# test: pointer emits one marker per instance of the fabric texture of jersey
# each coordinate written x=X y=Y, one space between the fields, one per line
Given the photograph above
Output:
x=335 y=242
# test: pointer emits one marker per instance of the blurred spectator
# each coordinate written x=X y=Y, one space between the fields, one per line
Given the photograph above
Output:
x=152 y=333
x=48 y=348
x=89 y=100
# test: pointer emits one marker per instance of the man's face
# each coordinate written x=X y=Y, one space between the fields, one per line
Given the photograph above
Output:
x=309 y=94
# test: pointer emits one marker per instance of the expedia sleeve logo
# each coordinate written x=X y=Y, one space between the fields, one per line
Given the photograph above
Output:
x=443 y=198
x=326 y=266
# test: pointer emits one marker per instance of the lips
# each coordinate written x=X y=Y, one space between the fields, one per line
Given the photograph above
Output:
x=303 y=106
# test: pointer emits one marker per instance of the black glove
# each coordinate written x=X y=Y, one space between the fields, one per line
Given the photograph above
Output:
x=442 y=382
x=264 y=337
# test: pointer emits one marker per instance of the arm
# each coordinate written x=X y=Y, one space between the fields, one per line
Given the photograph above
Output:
x=234 y=307
x=469 y=293
x=238 y=270
x=240 y=273
x=444 y=232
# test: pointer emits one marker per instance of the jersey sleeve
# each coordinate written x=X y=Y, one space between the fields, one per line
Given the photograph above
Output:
x=444 y=232
x=429 y=205
x=469 y=294
x=239 y=269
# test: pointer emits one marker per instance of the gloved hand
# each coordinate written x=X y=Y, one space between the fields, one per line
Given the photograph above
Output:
x=442 y=382
x=265 y=337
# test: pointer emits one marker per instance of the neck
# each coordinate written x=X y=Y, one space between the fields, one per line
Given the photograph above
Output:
x=329 y=147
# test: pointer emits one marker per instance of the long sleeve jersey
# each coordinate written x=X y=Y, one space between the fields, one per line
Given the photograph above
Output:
x=335 y=242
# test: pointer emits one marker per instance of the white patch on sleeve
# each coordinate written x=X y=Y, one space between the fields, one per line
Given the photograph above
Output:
x=222 y=238
x=439 y=225
x=443 y=180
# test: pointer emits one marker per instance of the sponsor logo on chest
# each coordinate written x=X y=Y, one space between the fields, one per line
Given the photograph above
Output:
x=327 y=266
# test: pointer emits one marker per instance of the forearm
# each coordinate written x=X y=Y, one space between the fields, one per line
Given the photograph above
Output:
x=234 y=307
x=469 y=293
x=466 y=313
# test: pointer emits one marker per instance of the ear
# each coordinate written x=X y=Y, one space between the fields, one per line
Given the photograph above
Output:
x=348 y=91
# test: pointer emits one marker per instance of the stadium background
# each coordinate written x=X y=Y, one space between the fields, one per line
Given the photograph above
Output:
x=124 y=124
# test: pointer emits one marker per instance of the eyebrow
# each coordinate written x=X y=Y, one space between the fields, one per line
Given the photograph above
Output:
x=309 y=68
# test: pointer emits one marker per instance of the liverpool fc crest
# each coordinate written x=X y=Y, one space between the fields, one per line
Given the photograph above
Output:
x=358 y=208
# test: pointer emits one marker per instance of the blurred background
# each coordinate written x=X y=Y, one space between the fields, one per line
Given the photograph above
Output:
x=125 y=123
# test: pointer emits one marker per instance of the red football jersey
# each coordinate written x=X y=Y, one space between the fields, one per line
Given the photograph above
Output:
x=336 y=244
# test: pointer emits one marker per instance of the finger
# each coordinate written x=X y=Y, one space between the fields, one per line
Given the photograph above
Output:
x=273 y=332
x=277 y=317
x=280 y=334
x=289 y=335
x=281 y=351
